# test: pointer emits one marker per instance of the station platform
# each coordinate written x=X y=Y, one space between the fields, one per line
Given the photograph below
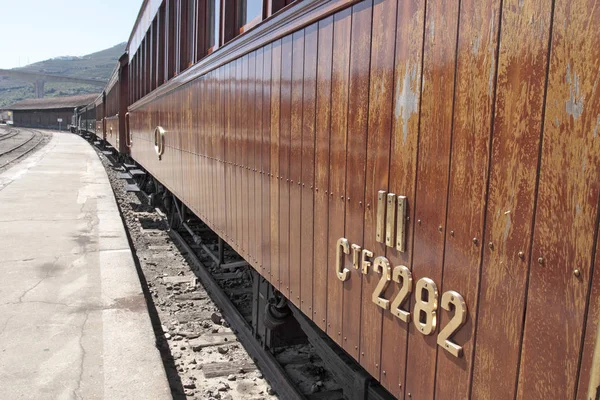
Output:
x=73 y=319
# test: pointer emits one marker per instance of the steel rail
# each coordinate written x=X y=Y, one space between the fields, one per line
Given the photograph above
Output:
x=22 y=144
x=271 y=369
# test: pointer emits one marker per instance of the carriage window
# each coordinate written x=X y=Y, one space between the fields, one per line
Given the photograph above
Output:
x=249 y=13
x=213 y=14
x=190 y=27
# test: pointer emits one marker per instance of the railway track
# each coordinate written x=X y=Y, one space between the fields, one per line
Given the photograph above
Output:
x=18 y=143
x=293 y=364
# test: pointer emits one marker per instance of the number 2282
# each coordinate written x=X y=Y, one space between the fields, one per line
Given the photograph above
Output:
x=426 y=295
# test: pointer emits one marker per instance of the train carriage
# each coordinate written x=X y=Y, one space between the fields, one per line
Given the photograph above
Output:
x=116 y=102
x=99 y=117
x=420 y=178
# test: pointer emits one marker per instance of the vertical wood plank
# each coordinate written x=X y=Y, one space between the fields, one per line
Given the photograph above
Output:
x=522 y=58
x=322 y=129
x=258 y=160
x=439 y=56
x=337 y=165
x=378 y=159
x=266 y=164
x=274 y=147
x=296 y=166
x=250 y=168
x=284 y=165
x=237 y=181
x=405 y=101
x=473 y=110
x=591 y=327
x=566 y=208
x=243 y=153
x=308 y=170
x=228 y=154
x=356 y=158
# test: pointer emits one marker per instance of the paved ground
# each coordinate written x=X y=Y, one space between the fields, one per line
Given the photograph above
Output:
x=73 y=320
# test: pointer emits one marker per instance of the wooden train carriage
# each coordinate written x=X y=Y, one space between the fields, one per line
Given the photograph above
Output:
x=99 y=111
x=419 y=177
x=116 y=106
x=87 y=118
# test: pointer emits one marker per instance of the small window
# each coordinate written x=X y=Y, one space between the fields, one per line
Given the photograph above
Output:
x=249 y=13
x=213 y=14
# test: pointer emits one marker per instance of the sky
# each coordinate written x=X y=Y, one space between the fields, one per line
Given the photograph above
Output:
x=35 y=30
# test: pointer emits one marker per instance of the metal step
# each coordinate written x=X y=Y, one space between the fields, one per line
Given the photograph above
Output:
x=96 y=143
x=132 y=187
x=107 y=153
x=124 y=175
x=136 y=172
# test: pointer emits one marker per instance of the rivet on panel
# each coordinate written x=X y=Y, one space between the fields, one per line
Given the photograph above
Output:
x=491 y=245
x=577 y=272
x=384 y=373
x=419 y=222
x=440 y=228
x=475 y=241
x=369 y=205
x=521 y=254
x=541 y=260
x=452 y=233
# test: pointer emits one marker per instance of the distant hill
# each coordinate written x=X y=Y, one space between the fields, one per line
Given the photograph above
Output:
x=97 y=65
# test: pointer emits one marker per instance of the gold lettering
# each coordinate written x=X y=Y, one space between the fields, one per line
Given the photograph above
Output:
x=355 y=256
x=365 y=264
x=343 y=247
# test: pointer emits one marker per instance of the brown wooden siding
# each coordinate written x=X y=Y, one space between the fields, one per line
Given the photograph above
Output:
x=484 y=114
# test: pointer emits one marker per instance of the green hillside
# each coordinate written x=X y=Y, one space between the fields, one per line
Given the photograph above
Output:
x=97 y=65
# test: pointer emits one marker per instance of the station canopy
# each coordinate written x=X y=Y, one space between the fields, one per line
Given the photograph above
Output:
x=54 y=102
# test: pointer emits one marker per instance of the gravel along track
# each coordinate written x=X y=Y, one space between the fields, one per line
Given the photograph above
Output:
x=18 y=143
x=201 y=355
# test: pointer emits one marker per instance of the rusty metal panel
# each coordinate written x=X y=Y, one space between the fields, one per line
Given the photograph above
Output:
x=356 y=158
x=274 y=151
x=471 y=140
x=308 y=170
x=515 y=146
x=566 y=208
x=337 y=166
x=295 y=172
x=322 y=137
x=266 y=164
x=432 y=181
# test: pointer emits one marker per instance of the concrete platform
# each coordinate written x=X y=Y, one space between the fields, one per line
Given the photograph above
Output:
x=73 y=320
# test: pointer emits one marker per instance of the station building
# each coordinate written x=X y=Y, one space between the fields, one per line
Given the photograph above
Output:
x=48 y=113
